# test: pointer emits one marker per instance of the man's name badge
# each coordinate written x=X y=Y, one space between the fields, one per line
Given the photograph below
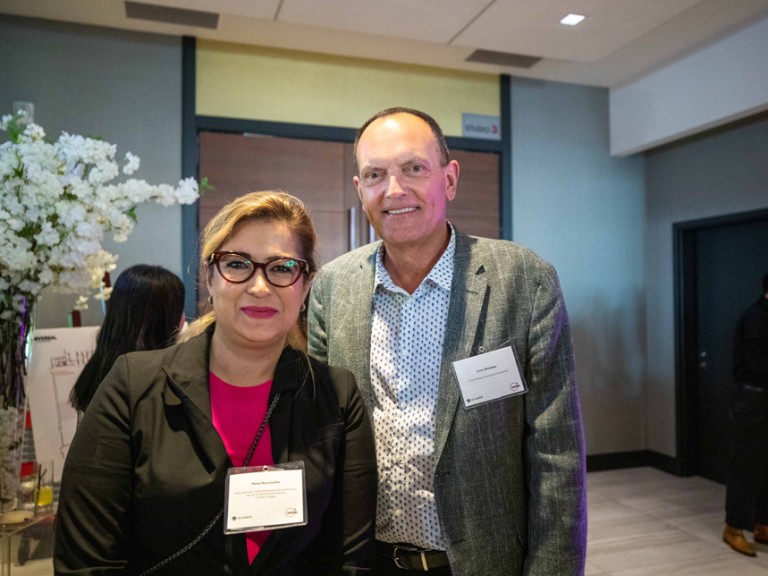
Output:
x=488 y=377
x=265 y=498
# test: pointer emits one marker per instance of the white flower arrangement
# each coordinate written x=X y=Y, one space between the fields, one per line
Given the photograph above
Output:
x=57 y=201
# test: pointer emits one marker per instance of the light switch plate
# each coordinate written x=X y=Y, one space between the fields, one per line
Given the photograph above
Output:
x=28 y=108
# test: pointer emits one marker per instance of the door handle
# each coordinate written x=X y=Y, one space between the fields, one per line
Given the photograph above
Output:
x=352 y=228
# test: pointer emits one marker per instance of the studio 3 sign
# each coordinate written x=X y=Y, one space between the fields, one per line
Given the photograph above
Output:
x=481 y=126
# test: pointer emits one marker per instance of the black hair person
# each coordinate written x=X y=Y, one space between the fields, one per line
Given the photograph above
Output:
x=144 y=312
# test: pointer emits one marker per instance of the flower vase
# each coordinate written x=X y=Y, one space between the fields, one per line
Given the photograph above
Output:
x=15 y=344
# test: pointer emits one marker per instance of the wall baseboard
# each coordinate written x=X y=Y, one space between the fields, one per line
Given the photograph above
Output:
x=618 y=460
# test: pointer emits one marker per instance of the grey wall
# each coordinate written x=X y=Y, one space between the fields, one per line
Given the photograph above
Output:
x=584 y=211
x=123 y=87
x=715 y=174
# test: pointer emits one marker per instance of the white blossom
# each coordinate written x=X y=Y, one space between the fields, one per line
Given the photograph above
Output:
x=81 y=303
x=131 y=164
x=57 y=202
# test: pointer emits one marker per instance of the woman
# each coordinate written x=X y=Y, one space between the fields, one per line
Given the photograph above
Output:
x=144 y=482
x=145 y=312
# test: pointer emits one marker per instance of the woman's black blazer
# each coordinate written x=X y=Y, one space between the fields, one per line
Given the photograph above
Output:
x=146 y=470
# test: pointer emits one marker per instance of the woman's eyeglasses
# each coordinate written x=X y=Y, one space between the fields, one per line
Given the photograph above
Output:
x=237 y=267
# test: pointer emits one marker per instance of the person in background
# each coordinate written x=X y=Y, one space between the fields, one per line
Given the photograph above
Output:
x=179 y=460
x=746 y=497
x=145 y=312
x=477 y=476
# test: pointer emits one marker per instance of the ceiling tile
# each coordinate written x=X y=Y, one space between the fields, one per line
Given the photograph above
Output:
x=426 y=20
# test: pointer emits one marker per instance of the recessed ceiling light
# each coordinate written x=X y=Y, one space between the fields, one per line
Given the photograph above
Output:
x=572 y=19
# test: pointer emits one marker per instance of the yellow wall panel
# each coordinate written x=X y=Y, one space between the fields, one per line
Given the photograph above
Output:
x=254 y=83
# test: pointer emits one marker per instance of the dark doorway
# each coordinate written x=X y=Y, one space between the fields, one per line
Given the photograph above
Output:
x=721 y=264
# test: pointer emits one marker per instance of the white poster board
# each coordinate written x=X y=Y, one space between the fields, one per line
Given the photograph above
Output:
x=57 y=358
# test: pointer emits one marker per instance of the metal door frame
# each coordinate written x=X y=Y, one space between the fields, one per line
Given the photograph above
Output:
x=686 y=330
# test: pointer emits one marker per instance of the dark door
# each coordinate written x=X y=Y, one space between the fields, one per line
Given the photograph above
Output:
x=731 y=261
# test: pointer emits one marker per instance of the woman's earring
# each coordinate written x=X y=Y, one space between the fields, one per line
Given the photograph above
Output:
x=303 y=307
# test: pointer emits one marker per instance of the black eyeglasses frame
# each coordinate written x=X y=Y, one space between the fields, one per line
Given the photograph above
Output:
x=215 y=259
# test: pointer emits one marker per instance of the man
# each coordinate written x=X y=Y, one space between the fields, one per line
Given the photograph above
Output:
x=496 y=488
x=746 y=498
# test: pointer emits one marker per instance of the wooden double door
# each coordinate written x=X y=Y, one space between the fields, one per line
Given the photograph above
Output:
x=320 y=173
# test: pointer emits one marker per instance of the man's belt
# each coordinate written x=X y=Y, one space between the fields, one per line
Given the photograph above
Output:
x=409 y=557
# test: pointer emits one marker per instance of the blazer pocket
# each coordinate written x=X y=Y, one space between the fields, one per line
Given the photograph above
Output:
x=320 y=453
x=322 y=445
x=329 y=434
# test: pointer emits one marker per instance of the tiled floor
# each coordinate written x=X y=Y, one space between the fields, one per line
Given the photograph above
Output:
x=642 y=522
x=645 y=522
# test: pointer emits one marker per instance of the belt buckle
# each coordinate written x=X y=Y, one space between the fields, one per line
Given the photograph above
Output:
x=396 y=558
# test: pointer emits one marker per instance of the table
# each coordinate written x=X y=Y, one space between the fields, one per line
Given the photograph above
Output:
x=15 y=541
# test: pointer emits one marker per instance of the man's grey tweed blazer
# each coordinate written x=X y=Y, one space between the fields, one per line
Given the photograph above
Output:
x=510 y=475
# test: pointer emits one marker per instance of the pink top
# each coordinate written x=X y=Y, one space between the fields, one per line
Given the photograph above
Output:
x=237 y=415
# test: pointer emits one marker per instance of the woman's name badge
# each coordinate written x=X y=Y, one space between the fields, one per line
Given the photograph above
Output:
x=265 y=498
x=488 y=377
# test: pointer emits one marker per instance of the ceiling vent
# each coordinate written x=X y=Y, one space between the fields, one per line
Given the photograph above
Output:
x=502 y=59
x=168 y=15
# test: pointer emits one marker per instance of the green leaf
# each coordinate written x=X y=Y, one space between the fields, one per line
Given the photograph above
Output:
x=132 y=215
x=14 y=130
x=205 y=186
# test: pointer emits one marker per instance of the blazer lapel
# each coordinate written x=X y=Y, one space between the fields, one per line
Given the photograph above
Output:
x=357 y=324
x=290 y=374
x=467 y=297
x=188 y=386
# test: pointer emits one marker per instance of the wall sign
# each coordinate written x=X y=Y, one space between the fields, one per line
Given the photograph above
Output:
x=481 y=126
